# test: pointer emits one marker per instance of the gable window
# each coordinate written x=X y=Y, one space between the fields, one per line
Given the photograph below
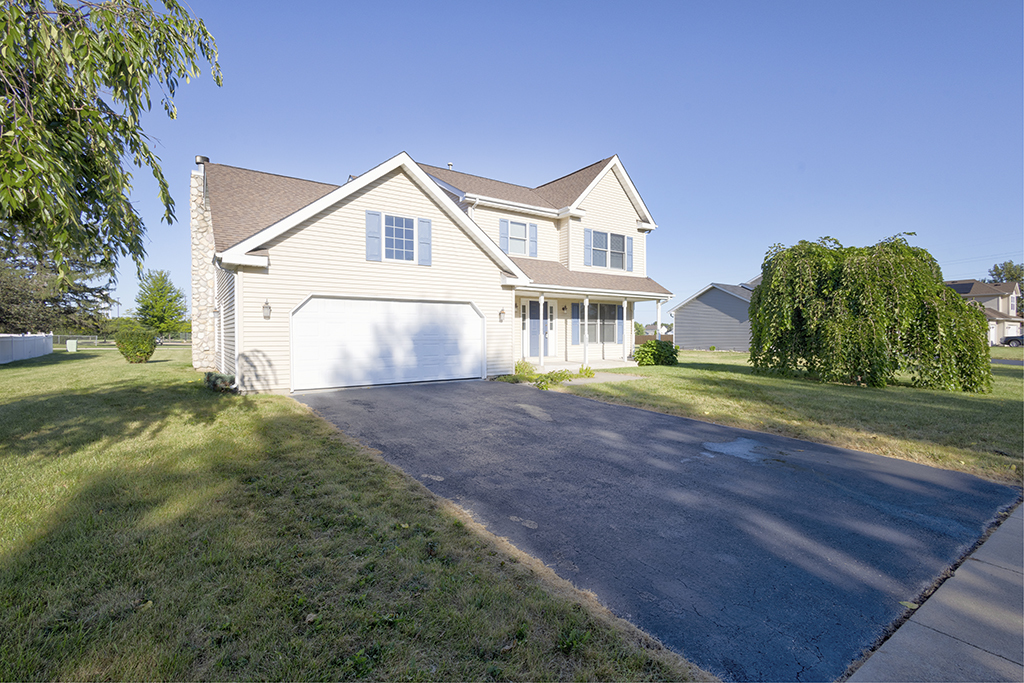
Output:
x=607 y=250
x=402 y=239
x=399 y=238
x=517 y=238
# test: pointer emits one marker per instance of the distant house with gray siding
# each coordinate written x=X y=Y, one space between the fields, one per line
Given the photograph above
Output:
x=715 y=316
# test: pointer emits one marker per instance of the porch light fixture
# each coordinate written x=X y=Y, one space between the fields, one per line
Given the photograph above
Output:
x=266 y=310
x=501 y=316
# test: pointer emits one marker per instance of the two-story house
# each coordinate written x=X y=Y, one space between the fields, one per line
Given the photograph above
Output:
x=411 y=272
x=1000 y=302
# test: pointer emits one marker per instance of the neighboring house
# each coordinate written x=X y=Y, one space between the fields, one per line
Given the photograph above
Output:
x=715 y=316
x=1000 y=303
x=412 y=273
x=654 y=329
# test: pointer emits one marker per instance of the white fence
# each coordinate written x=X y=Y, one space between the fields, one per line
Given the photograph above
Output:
x=21 y=346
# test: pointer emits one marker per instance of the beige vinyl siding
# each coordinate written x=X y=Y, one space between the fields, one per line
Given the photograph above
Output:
x=225 y=350
x=547 y=230
x=326 y=255
x=564 y=226
x=609 y=210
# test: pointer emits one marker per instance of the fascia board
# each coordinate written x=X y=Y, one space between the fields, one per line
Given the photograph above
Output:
x=587 y=291
x=701 y=293
x=418 y=175
x=451 y=188
x=228 y=258
x=495 y=203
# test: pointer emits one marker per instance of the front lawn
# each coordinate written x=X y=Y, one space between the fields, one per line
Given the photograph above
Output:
x=151 y=529
x=978 y=433
x=1007 y=352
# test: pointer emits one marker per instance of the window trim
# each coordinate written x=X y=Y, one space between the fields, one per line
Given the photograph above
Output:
x=384 y=238
x=607 y=251
x=525 y=238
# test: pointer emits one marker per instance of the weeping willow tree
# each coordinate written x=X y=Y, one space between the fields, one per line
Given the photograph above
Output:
x=860 y=315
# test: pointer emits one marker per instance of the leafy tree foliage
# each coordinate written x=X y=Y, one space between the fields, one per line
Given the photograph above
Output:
x=31 y=299
x=861 y=315
x=638 y=328
x=75 y=79
x=160 y=305
x=1007 y=271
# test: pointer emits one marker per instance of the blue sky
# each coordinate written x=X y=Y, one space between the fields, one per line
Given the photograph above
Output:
x=742 y=124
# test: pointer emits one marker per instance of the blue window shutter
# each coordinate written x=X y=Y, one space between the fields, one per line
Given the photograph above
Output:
x=373 y=250
x=503 y=234
x=533 y=240
x=576 y=324
x=588 y=241
x=620 y=324
x=423 y=237
x=629 y=253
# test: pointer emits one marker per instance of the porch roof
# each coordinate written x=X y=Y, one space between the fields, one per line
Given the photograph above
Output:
x=553 y=276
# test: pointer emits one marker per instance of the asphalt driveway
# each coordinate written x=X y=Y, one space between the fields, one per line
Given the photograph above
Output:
x=755 y=556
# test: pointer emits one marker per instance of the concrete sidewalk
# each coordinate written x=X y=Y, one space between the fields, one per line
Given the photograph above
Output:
x=971 y=628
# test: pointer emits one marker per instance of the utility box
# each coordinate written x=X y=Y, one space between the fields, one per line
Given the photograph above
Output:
x=72 y=345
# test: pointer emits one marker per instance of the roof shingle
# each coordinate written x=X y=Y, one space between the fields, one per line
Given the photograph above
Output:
x=555 y=274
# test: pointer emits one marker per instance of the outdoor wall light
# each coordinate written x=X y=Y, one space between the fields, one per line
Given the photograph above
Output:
x=266 y=310
x=563 y=309
x=501 y=316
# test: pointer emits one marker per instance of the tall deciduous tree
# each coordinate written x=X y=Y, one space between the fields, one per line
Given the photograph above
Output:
x=862 y=315
x=1007 y=271
x=75 y=78
x=160 y=305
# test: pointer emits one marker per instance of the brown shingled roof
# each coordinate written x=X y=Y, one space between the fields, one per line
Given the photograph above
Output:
x=243 y=202
x=557 y=194
x=567 y=189
x=555 y=274
x=972 y=288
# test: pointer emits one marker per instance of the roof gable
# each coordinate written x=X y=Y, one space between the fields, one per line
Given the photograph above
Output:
x=738 y=291
x=236 y=254
x=973 y=288
x=615 y=166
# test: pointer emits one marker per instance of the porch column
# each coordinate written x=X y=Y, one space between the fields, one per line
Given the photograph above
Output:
x=543 y=341
x=657 y=324
x=626 y=334
x=586 y=327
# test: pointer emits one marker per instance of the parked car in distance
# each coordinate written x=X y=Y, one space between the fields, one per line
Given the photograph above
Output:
x=1013 y=341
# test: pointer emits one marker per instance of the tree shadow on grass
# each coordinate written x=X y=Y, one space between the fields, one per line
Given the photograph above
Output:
x=52 y=424
x=902 y=412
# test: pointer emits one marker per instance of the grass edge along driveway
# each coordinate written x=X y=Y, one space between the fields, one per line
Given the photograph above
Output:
x=981 y=434
x=150 y=529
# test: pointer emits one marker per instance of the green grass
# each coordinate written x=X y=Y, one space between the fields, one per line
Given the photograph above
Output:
x=978 y=433
x=1008 y=352
x=151 y=529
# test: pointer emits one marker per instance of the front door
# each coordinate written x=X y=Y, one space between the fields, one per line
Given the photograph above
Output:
x=536 y=326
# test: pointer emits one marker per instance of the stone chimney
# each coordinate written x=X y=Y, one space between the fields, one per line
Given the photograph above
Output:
x=204 y=300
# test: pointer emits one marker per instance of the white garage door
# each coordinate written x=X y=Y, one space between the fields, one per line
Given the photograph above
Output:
x=357 y=342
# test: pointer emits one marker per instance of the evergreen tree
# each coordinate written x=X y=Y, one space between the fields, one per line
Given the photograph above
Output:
x=160 y=305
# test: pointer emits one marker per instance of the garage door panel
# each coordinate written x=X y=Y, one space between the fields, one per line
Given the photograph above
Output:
x=356 y=342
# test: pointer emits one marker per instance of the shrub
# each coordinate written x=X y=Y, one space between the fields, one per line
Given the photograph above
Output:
x=218 y=382
x=524 y=368
x=656 y=352
x=550 y=379
x=135 y=345
x=585 y=371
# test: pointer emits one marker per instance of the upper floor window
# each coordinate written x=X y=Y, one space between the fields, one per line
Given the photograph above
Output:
x=399 y=238
x=607 y=250
x=517 y=238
